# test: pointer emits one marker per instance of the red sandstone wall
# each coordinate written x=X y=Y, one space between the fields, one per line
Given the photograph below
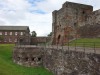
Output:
x=40 y=40
x=67 y=20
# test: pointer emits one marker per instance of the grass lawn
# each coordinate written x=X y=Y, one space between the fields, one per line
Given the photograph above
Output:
x=86 y=42
x=7 y=67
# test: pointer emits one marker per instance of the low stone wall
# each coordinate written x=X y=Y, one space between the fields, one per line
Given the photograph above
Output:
x=28 y=56
x=60 y=61
x=40 y=40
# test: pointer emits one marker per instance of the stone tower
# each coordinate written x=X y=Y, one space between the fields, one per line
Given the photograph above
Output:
x=67 y=20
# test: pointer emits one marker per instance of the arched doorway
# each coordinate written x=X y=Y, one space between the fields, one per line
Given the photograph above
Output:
x=58 y=39
x=21 y=41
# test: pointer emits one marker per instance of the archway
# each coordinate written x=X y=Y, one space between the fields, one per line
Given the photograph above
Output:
x=58 y=39
x=21 y=41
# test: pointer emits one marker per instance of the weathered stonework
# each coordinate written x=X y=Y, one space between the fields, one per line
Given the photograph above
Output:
x=71 y=17
x=63 y=60
x=93 y=18
x=67 y=20
x=60 y=61
x=28 y=56
x=89 y=31
x=40 y=40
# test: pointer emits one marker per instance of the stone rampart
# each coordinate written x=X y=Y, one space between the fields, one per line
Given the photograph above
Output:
x=64 y=62
x=60 y=60
x=40 y=40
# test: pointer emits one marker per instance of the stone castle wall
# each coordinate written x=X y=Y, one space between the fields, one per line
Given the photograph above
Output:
x=93 y=18
x=40 y=40
x=60 y=61
x=68 y=19
x=92 y=27
x=64 y=62
x=89 y=31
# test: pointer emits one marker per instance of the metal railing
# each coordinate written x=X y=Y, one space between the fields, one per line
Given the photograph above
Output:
x=76 y=46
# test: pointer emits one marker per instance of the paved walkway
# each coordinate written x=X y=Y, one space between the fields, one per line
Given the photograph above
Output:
x=81 y=49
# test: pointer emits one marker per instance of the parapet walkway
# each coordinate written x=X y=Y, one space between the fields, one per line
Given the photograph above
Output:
x=70 y=48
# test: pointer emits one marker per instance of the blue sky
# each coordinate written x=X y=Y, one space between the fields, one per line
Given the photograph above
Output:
x=37 y=14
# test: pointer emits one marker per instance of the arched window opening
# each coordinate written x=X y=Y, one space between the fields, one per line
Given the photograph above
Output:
x=33 y=58
x=59 y=38
x=75 y=24
x=26 y=59
x=83 y=12
x=39 y=59
x=18 y=58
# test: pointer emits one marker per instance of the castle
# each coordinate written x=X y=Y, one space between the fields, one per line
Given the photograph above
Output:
x=66 y=60
x=70 y=18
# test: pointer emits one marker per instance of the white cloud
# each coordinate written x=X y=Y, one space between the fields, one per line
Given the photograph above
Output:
x=38 y=22
x=36 y=15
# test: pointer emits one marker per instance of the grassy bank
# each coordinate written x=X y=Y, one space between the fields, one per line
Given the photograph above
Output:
x=7 y=67
x=87 y=42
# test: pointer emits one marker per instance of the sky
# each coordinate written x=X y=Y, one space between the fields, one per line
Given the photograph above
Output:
x=37 y=14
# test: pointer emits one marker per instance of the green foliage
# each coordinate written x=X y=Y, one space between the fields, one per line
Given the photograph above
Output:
x=34 y=34
x=87 y=42
x=50 y=34
x=7 y=67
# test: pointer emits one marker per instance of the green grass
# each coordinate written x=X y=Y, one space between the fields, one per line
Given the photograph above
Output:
x=86 y=42
x=7 y=67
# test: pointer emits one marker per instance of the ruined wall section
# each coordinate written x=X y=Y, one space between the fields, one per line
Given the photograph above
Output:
x=93 y=18
x=67 y=62
x=97 y=16
x=28 y=56
x=92 y=27
x=59 y=60
x=53 y=40
x=40 y=40
x=68 y=19
x=77 y=13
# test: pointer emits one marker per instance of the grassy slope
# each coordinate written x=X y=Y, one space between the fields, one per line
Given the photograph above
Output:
x=7 y=67
x=87 y=42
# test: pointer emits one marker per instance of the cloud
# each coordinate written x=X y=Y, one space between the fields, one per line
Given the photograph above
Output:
x=21 y=12
x=37 y=14
x=38 y=22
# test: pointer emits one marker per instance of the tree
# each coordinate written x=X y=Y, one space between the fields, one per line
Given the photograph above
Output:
x=50 y=34
x=34 y=34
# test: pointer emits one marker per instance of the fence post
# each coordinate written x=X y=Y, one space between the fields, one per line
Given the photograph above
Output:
x=68 y=45
x=84 y=46
x=62 y=42
x=57 y=45
x=62 y=45
x=75 y=46
x=94 y=48
x=84 y=49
